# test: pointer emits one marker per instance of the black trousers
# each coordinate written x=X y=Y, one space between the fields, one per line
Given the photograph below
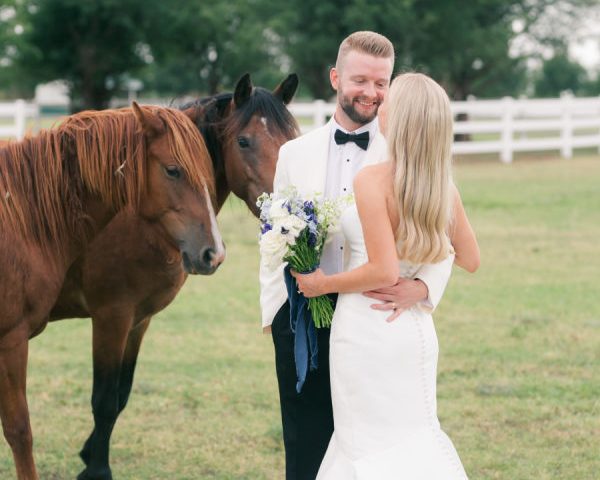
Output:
x=307 y=416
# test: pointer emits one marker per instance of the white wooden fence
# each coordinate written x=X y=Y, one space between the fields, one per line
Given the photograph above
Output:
x=501 y=127
x=504 y=126
x=16 y=112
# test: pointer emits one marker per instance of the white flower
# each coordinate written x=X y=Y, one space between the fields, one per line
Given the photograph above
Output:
x=273 y=247
x=291 y=226
x=278 y=210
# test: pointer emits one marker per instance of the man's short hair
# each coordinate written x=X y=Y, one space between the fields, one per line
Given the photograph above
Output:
x=371 y=43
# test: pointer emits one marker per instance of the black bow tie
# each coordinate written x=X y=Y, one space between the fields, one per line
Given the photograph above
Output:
x=361 y=139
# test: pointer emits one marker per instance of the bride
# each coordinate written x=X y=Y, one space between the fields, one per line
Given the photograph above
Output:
x=383 y=373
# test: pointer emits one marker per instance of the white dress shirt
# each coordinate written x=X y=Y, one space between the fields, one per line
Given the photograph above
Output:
x=343 y=162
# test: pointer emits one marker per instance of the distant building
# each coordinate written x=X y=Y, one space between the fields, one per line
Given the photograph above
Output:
x=52 y=97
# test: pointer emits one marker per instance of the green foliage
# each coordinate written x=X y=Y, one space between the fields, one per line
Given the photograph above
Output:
x=312 y=31
x=207 y=46
x=592 y=87
x=89 y=44
x=465 y=46
x=195 y=46
x=13 y=83
x=558 y=74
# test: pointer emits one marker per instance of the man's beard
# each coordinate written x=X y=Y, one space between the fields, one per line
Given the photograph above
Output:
x=347 y=105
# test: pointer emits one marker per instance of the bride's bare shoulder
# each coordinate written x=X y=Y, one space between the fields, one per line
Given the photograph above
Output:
x=377 y=172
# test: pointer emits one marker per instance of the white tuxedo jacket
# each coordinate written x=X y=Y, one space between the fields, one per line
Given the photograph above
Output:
x=303 y=163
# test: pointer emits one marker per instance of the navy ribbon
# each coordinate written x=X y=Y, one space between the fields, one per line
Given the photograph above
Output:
x=306 y=349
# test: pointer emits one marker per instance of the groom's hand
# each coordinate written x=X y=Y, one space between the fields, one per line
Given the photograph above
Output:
x=406 y=293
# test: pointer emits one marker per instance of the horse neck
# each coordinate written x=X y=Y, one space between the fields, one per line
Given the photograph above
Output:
x=213 y=136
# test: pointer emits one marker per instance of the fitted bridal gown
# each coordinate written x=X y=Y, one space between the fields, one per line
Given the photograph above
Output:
x=383 y=388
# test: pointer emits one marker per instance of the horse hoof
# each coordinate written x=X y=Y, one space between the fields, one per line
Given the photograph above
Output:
x=104 y=474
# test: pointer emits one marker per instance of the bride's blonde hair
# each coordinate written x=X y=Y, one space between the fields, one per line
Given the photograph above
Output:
x=419 y=137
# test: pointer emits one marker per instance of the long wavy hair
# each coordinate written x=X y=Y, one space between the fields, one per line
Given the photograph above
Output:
x=43 y=179
x=419 y=137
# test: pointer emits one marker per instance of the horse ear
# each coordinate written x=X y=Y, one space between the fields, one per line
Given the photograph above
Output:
x=243 y=90
x=286 y=89
x=152 y=125
x=193 y=113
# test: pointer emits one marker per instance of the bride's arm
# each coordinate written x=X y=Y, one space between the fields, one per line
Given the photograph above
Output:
x=382 y=268
x=462 y=237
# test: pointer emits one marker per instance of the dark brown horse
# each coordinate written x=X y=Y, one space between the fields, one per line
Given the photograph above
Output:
x=130 y=272
x=57 y=190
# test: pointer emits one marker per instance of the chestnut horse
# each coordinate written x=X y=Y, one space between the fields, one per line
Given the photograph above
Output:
x=57 y=190
x=130 y=273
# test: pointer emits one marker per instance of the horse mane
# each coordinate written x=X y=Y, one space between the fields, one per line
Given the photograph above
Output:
x=262 y=102
x=214 y=125
x=43 y=179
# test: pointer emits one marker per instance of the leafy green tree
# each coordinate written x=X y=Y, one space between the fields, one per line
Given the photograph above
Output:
x=591 y=87
x=90 y=44
x=207 y=46
x=13 y=83
x=311 y=31
x=463 y=44
x=559 y=74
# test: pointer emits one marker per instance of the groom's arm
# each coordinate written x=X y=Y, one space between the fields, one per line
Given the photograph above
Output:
x=425 y=290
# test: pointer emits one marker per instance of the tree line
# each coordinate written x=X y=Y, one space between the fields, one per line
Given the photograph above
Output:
x=201 y=47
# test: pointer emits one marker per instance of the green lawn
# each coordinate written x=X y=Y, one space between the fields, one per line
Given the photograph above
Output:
x=519 y=377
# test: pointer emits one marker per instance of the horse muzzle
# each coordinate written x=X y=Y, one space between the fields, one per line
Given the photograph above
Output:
x=205 y=263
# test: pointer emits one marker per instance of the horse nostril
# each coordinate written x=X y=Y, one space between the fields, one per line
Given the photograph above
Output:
x=208 y=255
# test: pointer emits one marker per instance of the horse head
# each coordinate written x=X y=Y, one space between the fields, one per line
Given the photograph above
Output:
x=179 y=191
x=243 y=131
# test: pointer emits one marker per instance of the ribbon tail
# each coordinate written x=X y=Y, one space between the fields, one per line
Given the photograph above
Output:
x=301 y=352
x=313 y=346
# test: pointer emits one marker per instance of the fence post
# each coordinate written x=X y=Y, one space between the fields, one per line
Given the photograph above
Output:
x=319 y=117
x=20 y=116
x=506 y=154
x=566 y=133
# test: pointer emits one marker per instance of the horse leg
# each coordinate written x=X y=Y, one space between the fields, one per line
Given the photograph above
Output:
x=14 y=411
x=134 y=341
x=110 y=332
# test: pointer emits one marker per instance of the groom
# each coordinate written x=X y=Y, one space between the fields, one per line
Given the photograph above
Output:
x=326 y=160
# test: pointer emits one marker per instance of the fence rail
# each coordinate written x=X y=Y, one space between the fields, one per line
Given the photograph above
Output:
x=504 y=126
x=16 y=112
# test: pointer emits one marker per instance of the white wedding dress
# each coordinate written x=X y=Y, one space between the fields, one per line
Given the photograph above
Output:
x=383 y=388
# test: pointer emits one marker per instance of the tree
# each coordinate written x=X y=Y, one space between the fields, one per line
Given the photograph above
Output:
x=208 y=46
x=88 y=44
x=463 y=45
x=559 y=74
x=311 y=31
x=12 y=81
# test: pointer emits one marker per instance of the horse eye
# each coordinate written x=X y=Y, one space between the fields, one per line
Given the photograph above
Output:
x=243 y=142
x=173 y=172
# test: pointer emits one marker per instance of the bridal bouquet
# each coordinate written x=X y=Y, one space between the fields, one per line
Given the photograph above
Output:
x=294 y=230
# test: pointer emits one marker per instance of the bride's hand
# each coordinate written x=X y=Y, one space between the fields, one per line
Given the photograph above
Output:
x=310 y=284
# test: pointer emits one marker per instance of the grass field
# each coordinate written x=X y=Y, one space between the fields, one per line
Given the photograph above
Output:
x=518 y=384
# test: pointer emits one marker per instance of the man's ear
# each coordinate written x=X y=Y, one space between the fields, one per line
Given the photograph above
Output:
x=334 y=78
